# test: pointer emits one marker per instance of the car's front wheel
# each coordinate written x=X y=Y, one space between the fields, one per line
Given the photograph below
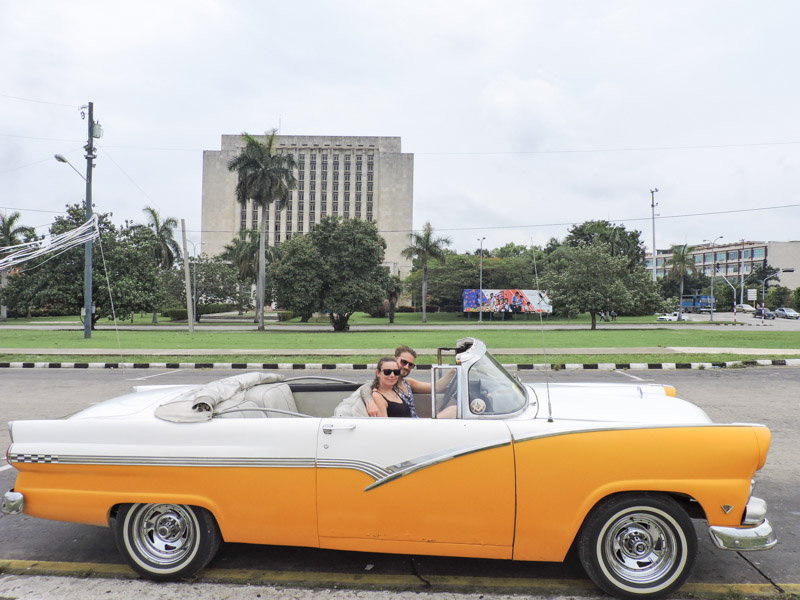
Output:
x=166 y=542
x=638 y=546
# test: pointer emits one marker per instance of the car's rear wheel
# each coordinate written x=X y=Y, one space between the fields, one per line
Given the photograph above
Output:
x=638 y=546
x=166 y=542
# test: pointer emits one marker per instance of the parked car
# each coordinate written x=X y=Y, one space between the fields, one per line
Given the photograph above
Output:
x=744 y=308
x=669 y=317
x=767 y=313
x=522 y=472
x=787 y=313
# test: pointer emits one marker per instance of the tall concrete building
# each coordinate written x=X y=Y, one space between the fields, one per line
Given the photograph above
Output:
x=366 y=178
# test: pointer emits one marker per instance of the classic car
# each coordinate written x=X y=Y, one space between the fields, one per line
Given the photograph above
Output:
x=523 y=472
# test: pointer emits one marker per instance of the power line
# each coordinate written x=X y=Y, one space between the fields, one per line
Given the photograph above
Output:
x=39 y=101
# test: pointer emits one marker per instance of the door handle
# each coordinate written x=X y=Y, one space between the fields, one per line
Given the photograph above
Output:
x=329 y=427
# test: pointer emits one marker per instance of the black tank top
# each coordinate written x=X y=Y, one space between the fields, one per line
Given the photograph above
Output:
x=396 y=409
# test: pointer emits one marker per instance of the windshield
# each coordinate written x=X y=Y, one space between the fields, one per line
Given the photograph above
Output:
x=492 y=391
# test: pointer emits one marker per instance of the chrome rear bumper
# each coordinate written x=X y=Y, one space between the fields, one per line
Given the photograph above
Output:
x=756 y=532
x=12 y=503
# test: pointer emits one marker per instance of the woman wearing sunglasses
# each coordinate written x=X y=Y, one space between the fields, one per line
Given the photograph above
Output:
x=386 y=402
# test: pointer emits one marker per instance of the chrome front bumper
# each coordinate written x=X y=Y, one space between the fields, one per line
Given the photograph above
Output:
x=13 y=503
x=756 y=533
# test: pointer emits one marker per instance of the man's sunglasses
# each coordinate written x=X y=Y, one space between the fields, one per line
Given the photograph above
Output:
x=405 y=363
x=395 y=372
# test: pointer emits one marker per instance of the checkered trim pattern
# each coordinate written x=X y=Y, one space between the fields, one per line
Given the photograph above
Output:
x=33 y=458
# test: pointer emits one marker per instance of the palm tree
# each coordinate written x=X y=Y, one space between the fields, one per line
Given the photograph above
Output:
x=424 y=247
x=243 y=255
x=10 y=235
x=167 y=249
x=679 y=263
x=264 y=177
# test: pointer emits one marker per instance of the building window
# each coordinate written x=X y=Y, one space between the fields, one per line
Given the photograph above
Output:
x=358 y=166
x=747 y=253
x=370 y=177
x=313 y=175
x=335 y=187
x=759 y=252
x=346 y=205
x=335 y=207
x=698 y=258
x=313 y=185
x=254 y=216
x=733 y=254
x=324 y=176
x=242 y=220
x=347 y=186
x=324 y=204
x=358 y=207
x=312 y=212
x=346 y=163
x=324 y=166
x=300 y=185
x=720 y=257
x=277 y=228
x=369 y=186
x=347 y=176
x=336 y=175
x=708 y=257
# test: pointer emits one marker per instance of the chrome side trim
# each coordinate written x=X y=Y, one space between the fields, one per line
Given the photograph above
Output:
x=13 y=503
x=539 y=436
x=157 y=461
x=383 y=475
x=761 y=537
x=409 y=467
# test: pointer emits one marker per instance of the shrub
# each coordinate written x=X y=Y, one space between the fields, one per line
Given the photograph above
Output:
x=285 y=315
x=176 y=314
x=404 y=309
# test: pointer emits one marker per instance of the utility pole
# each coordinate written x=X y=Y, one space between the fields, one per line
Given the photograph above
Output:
x=741 y=274
x=480 y=297
x=653 y=205
x=187 y=279
x=87 y=269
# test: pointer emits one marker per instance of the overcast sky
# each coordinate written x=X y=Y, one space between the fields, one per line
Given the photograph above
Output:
x=524 y=117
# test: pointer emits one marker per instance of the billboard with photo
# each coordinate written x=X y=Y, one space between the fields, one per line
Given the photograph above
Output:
x=511 y=300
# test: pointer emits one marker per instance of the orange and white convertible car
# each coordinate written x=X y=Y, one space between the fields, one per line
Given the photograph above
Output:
x=522 y=472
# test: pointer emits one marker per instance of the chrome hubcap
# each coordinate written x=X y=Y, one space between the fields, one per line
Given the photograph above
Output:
x=164 y=534
x=640 y=547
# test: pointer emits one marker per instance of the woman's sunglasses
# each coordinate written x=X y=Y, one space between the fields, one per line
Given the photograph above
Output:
x=405 y=363
x=395 y=372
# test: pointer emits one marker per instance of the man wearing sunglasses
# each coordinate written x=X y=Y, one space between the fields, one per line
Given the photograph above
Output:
x=406 y=387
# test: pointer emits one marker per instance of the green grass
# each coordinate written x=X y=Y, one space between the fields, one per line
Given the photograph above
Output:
x=494 y=338
x=557 y=359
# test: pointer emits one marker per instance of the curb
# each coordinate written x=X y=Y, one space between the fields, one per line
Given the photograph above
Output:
x=667 y=366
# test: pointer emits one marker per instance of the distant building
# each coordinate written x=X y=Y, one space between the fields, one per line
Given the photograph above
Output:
x=366 y=178
x=735 y=256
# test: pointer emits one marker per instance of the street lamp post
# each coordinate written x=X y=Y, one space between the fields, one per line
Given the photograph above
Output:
x=653 y=205
x=713 y=272
x=741 y=273
x=480 y=296
x=95 y=131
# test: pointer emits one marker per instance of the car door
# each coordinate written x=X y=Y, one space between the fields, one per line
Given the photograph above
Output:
x=428 y=486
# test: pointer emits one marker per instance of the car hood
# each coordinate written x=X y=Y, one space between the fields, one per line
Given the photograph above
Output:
x=613 y=404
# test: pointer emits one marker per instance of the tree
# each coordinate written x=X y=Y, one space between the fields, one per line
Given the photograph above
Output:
x=242 y=253
x=11 y=234
x=679 y=263
x=264 y=176
x=336 y=267
x=621 y=242
x=295 y=277
x=394 y=287
x=167 y=249
x=796 y=299
x=594 y=281
x=352 y=273
x=422 y=249
x=778 y=296
x=123 y=271
x=217 y=283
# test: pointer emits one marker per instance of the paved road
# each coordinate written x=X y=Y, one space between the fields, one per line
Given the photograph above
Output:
x=747 y=395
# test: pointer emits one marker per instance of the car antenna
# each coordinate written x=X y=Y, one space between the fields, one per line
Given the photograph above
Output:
x=544 y=349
